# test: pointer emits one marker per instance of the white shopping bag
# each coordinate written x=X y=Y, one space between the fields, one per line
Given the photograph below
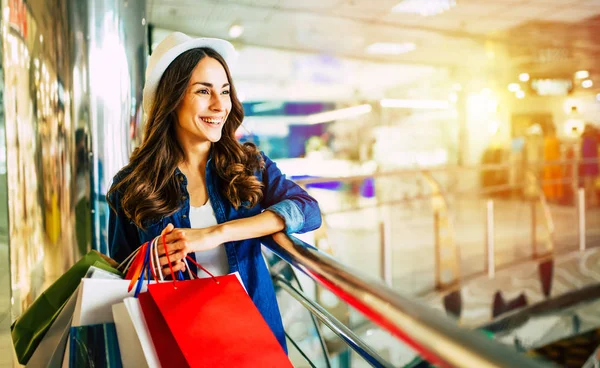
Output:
x=51 y=349
x=95 y=299
x=135 y=343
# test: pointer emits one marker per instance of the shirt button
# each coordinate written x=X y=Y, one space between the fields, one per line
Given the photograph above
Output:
x=184 y=216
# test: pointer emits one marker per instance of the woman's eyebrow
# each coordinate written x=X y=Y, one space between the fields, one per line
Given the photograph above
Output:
x=210 y=85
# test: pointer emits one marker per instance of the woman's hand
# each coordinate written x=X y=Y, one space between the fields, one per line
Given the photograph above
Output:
x=181 y=242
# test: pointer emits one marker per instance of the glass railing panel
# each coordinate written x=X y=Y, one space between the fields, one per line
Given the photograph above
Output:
x=416 y=211
x=305 y=348
x=361 y=293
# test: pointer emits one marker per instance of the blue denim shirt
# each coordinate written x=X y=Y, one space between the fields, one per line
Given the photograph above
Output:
x=285 y=198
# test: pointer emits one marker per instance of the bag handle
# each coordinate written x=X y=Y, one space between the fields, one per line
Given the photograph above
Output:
x=203 y=269
x=140 y=265
x=169 y=259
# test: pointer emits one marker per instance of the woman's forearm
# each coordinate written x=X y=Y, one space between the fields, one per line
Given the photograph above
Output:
x=265 y=223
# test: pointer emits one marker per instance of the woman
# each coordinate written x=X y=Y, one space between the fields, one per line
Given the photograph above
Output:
x=191 y=180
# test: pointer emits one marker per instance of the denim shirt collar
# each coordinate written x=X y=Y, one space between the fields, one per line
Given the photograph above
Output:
x=181 y=176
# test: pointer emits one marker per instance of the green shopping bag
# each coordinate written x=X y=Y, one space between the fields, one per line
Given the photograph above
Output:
x=29 y=329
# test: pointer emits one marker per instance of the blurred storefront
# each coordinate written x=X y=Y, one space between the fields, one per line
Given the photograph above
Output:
x=72 y=73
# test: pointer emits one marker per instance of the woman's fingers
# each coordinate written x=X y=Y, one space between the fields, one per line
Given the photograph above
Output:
x=179 y=266
x=168 y=229
x=177 y=256
x=174 y=241
x=174 y=235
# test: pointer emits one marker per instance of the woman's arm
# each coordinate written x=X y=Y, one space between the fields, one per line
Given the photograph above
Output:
x=288 y=200
x=181 y=242
x=123 y=237
x=286 y=207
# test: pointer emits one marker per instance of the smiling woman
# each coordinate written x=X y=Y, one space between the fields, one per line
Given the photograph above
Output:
x=193 y=182
x=206 y=104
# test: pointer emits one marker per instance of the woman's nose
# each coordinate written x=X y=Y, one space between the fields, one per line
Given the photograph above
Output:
x=216 y=104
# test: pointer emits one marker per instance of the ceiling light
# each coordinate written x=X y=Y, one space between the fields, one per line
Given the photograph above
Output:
x=598 y=97
x=582 y=74
x=339 y=114
x=388 y=48
x=523 y=77
x=414 y=104
x=236 y=30
x=520 y=94
x=423 y=7
x=587 y=83
x=514 y=87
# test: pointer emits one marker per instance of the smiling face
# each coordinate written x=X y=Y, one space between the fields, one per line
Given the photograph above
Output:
x=205 y=105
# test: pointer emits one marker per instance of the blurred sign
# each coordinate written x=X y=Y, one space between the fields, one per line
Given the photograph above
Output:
x=552 y=87
x=17 y=16
x=284 y=108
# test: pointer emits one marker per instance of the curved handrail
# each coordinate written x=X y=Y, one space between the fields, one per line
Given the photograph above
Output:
x=345 y=333
x=435 y=337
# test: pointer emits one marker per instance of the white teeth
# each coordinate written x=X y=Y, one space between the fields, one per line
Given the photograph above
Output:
x=212 y=121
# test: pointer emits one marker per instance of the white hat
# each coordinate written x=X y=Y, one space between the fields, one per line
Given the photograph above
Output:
x=169 y=49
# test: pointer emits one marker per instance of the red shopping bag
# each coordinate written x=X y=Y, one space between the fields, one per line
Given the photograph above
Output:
x=165 y=345
x=213 y=323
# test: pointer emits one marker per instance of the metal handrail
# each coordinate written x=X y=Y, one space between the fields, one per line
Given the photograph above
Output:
x=442 y=169
x=334 y=325
x=435 y=337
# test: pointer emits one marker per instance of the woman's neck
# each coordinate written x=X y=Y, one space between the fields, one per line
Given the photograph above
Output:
x=197 y=156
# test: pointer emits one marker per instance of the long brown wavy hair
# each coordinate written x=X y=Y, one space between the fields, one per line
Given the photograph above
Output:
x=149 y=188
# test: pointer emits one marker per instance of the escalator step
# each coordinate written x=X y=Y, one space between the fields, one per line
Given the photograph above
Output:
x=573 y=351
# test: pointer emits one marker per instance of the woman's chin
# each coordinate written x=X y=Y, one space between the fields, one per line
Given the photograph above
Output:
x=214 y=138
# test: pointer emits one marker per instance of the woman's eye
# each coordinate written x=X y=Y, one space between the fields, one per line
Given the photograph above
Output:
x=225 y=92
x=203 y=91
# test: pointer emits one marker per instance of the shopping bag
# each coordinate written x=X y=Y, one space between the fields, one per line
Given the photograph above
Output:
x=213 y=323
x=49 y=352
x=94 y=346
x=167 y=350
x=135 y=343
x=95 y=299
x=29 y=329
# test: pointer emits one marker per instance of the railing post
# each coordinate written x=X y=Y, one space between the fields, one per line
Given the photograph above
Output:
x=437 y=250
x=385 y=232
x=489 y=237
x=533 y=230
x=581 y=217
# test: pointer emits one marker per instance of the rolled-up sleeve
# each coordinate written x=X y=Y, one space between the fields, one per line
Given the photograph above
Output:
x=288 y=200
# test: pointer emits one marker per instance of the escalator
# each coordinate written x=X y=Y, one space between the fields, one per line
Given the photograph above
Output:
x=399 y=330
x=564 y=330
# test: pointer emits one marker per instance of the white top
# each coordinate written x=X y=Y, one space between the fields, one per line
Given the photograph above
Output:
x=214 y=260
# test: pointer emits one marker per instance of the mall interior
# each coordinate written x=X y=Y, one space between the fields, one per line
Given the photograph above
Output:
x=452 y=146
